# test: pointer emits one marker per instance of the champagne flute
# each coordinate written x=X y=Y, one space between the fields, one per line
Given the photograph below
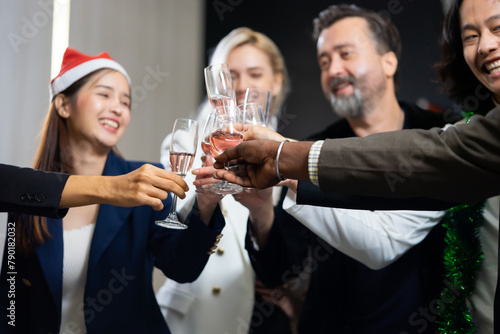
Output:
x=224 y=136
x=262 y=97
x=182 y=152
x=206 y=144
x=220 y=89
x=253 y=114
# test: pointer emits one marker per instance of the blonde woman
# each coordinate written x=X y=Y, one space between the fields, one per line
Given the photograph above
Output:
x=221 y=300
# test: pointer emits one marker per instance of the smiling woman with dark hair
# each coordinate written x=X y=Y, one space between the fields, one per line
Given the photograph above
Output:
x=91 y=272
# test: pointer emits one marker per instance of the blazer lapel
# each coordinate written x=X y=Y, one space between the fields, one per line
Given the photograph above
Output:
x=110 y=219
x=109 y=222
x=50 y=255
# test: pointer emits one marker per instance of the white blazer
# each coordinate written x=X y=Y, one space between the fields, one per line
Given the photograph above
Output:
x=221 y=300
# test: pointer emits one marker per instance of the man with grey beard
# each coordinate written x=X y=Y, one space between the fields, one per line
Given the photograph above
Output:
x=358 y=53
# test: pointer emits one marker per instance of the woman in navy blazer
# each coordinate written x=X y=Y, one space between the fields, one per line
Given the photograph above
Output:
x=111 y=288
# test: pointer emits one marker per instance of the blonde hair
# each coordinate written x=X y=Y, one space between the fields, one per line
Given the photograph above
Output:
x=242 y=36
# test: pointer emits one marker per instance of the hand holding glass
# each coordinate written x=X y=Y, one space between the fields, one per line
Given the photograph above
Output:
x=182 y=152
x=224 y=135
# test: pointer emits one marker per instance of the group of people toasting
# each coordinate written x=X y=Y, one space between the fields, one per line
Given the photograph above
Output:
x=323 y=235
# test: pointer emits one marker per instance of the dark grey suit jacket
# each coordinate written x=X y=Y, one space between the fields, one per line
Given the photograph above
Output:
x=29 y=191
x=461 y=164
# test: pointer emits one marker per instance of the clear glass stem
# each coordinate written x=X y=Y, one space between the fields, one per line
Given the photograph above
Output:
x=226 y=187
x=173 y=207
x=224 y=181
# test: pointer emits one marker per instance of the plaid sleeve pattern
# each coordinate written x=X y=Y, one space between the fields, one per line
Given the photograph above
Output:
x=313 y=160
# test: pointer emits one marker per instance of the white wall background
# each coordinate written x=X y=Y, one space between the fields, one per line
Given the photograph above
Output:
x=159 y=42
x=25 y=43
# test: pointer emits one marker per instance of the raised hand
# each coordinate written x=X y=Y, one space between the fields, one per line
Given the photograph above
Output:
x=252 y=132
x=257 y=163
x=147 y=185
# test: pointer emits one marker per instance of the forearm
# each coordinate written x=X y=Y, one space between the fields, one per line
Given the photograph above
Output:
x=375 y=238
x=277 y=261
x=182 y=255
x=458 y=165
x=84 y=190
x=206 y=211
x=261 y=220
x=309 y=194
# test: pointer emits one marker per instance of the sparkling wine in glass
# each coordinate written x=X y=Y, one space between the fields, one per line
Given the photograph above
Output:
x=206 y=144
x=220 y=89
x=262 y=97
x=182 y=152
x=224 y=135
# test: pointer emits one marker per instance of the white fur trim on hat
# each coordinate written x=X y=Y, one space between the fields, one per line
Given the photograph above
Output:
x=74 y=74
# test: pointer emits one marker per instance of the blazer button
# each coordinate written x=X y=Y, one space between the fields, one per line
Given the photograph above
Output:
x=24 y=197
x=216 y=290
x=39 y=198
x=31 y=198
x=26 y=282
x=220 y=250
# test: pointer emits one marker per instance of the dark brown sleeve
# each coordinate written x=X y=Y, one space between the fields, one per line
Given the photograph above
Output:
x=460 y=164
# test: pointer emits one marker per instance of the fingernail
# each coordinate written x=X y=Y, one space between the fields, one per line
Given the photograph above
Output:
x=196 y=182
x=195 y=171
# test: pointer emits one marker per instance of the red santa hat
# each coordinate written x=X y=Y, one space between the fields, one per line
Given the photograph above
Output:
x=75 y=65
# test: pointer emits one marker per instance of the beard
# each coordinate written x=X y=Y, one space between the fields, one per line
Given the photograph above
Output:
x=351 y=106
x=361 y=100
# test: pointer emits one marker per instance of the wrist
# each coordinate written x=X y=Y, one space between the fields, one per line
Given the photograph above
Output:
x=278 y=153
x=293 y=160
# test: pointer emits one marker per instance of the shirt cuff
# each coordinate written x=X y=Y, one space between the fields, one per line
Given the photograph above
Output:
x=313 y=160
x=289 y=200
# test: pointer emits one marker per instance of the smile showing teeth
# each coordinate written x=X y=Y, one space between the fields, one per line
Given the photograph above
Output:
x=110 y=123
x=493 y=67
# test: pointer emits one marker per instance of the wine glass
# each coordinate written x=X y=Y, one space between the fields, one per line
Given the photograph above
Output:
x=220 y=88
x=182 y=152
x=253 y=114
x=262 y=97
x=206 y=144
x=224 y=135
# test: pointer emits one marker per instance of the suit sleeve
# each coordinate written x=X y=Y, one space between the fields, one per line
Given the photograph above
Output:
x=309 y=194
x=29 y=191
x=459 y=164
x=182 y=254
x=285 y=249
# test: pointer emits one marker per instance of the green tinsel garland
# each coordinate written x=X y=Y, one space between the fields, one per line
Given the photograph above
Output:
x=463 y=257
